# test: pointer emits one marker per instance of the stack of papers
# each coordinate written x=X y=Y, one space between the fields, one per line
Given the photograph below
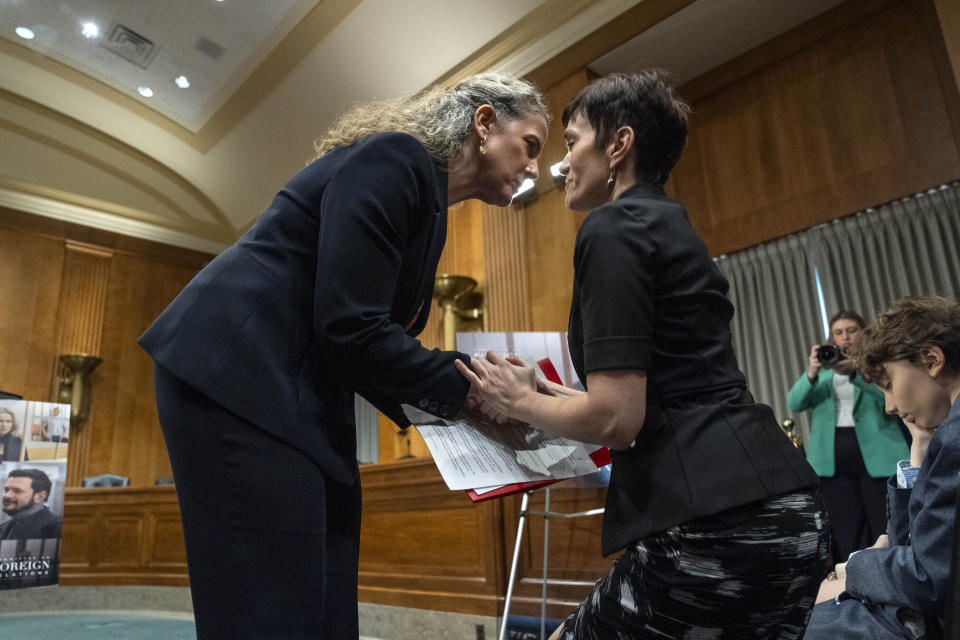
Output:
x=493 y=460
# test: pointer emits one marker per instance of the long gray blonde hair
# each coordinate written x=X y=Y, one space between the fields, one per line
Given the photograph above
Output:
x=440 y=118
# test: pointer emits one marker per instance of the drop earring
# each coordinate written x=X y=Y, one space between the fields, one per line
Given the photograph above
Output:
x=483 y=149
x=610 y=180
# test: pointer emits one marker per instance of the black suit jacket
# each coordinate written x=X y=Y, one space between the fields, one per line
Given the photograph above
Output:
x=320 y=299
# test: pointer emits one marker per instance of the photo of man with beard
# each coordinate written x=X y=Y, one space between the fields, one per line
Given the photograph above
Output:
x=24 y=499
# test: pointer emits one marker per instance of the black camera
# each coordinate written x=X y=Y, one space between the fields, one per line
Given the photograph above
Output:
x=829 y=355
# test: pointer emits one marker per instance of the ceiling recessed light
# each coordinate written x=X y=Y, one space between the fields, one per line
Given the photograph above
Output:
x=90 y=30
x=182 y=82
x=26 y=34
x=145 y=91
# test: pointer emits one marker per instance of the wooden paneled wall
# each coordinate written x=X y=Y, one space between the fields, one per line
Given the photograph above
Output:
x=504 y=255
x=83 y=294
x=855 y=108
x=32 y=267
x=551 y=228
x=848 y=112
x=73 y=289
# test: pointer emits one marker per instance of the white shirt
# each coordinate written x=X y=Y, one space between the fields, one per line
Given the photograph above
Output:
x=843 y=400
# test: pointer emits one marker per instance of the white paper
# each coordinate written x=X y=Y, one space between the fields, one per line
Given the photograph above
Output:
x=493 y=455
x=469 y=457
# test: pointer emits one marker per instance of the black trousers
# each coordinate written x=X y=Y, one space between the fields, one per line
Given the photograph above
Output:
x=271 y=542
x=856 y=503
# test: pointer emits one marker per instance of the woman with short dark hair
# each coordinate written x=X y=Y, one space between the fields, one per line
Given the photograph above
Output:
x=717 y=511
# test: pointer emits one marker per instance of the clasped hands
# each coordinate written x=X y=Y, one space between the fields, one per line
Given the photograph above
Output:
x=497 y=386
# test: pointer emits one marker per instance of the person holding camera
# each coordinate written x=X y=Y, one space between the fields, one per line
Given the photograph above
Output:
x=854 y=446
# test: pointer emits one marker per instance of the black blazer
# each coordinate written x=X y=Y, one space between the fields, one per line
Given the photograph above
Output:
x=320 y=299
x=647 y=297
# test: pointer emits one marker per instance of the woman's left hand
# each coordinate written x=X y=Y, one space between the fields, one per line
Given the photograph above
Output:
x=500 y=383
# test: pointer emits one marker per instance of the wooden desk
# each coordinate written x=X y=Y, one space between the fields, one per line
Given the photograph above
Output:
x=122 y=535
x=421 y=545
x=425 y=546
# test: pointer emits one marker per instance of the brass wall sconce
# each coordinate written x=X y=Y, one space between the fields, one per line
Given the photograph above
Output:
x=788 y=429
x=469 y=310
x=75 y=384
x=453 y=294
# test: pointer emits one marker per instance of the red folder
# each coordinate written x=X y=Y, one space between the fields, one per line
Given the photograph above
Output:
x=601 y=457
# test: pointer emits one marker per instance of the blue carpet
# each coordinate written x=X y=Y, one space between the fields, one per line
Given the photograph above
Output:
x=93 y=626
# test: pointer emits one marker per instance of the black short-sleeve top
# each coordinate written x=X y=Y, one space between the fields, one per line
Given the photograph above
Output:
x=647 y=296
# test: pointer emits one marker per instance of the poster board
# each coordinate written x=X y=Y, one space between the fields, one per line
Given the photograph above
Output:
x=34 y=441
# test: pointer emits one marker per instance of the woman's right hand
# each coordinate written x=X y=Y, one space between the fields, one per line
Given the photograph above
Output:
x=499 y=383
x=813 y=364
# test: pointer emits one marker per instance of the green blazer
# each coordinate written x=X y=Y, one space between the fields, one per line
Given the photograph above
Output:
x=881 y=441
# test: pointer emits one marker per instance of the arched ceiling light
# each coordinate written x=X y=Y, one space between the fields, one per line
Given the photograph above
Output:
x=90 y=30
x=145 y=91
x=182 y=82
x=25 y=33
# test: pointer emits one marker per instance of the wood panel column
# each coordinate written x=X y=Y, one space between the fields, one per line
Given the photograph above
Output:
x=83 y=297
x=507 y=298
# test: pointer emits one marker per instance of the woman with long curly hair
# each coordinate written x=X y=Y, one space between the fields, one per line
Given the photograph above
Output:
x=259 y=357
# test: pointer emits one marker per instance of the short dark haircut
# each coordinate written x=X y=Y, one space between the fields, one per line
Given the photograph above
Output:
x=39 y=481
x=644 y=101
x=905 y=332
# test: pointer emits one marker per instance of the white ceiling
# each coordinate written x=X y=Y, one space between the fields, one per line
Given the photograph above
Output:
x=195 y=166
x=214 y=44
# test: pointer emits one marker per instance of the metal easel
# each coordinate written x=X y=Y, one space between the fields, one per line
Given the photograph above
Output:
x=547 y=514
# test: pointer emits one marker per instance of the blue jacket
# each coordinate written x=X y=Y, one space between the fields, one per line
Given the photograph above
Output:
x=914 y=572
x=881 y=441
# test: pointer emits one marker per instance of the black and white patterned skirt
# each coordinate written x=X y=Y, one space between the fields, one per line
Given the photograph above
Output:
x=747 y=572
